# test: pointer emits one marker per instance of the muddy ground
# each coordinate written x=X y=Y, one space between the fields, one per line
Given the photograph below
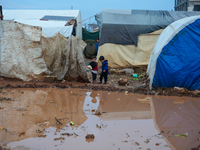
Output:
x=134 y=85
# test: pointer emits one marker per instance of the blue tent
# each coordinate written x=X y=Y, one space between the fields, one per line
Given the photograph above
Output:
x=175 y=60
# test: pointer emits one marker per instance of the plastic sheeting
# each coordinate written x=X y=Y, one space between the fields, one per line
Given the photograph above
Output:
x=27 y=55
x=49 y=27
x=125 y=56
x=124 y=26
x=64 y=57
x=175 y=59
x=89 y=38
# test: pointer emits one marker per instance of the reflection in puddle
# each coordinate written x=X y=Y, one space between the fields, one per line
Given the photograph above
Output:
x=40 y=119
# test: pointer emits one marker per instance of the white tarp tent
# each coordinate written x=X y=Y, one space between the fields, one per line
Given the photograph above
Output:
x=51 y=21
x=26 y=54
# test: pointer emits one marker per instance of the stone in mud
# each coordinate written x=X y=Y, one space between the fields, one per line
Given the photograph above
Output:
x=98 y=112
x=90 y=136
x=112 y=71
x=152 y=92
x=196 y=92
x=129 y=71
x=157 y=144
x=180 y=90
x=42 y=135
x=137 y=144
x=121 y=72
x=122 y=82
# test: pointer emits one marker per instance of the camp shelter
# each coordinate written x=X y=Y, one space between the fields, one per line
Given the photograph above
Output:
x=175 y=59
x=127 y=37
x=26 y=54
x=51 y=21
x=89 y=38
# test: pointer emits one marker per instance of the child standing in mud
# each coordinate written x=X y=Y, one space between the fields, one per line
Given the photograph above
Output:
x=104 y=73
x=94 y=66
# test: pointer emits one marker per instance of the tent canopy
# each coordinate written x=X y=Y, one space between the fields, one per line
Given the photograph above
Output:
x=124 y=26
x=51 y=21
x=175 y=59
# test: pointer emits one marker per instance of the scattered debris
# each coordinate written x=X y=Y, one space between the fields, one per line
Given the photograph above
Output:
x=157 y=144
x=181 y=135
x=181 y=90
x=2 y=128
x=57 y=121
x=1 y=107
x=42 y=135
x=75 y=134
x=147 y=141
x=112 y=71
x=47 y=123
x=68 y=134
x=71 y=123
x=60 y=138
x=98 y=112
x=6 y=99
x=127 y=135
x=22 y=133
x=122 y=82
x=137 y=144
x=90 y=136
x=196 y=92
x=63 y=81
x=39 y=131
x=121 y=72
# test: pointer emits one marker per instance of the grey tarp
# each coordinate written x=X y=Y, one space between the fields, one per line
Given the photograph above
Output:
x=124 y=26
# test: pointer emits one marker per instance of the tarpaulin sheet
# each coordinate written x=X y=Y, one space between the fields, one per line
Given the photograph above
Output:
x=89 y=38
x=54 y=24
x=123 y=26
x=25 y=54
x=175 y=59
x=126 y=56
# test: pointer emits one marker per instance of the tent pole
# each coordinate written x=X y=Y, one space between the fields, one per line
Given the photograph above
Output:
x=1 y=13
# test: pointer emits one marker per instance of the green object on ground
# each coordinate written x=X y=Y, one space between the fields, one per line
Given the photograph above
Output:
x=71 y=123
x=181 y=135
x=135 y=75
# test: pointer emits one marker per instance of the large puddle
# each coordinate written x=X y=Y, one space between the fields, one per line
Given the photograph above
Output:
x=40 y=119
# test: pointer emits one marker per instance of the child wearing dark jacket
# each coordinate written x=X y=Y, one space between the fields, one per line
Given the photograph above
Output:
x=104 y=73
x=94 y=66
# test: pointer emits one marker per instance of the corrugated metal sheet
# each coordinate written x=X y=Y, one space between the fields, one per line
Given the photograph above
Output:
x=57 y=18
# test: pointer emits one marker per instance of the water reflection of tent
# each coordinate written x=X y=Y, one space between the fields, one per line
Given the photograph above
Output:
x=181 y=118
x=44 y=105
x=123 y=107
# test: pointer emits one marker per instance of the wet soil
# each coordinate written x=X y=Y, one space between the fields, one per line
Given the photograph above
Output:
x=39 y=118
x=135 y=86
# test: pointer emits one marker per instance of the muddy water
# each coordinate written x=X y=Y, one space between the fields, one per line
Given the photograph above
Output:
x=40 y=119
